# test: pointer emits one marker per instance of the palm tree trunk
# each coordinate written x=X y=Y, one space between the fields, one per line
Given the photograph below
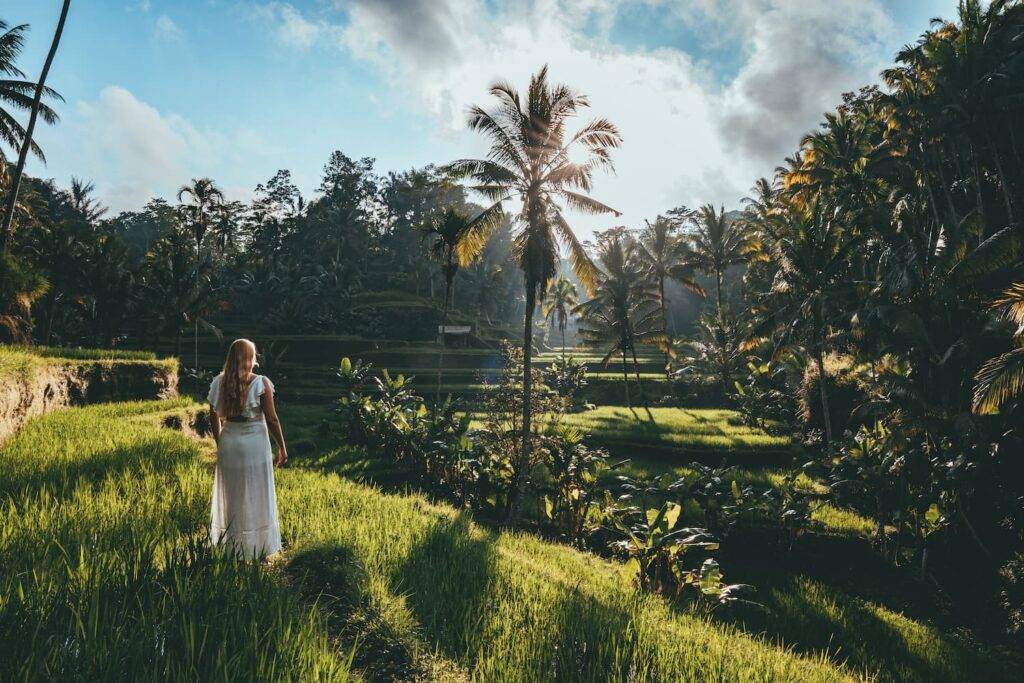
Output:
x=625 y=378
x=563 y=326
x=521 y=476
x=636 y=371
x=444 y=324
x=12 y=194
x=1002 y=180
x=718 y=290
x=978 y=190
x=826 y=415
x=664 y=325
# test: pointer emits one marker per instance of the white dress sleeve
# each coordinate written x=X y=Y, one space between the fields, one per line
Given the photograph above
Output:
x=214 y=394
x=266 y=385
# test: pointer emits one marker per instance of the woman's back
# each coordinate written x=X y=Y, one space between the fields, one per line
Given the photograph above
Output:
x=251 y=406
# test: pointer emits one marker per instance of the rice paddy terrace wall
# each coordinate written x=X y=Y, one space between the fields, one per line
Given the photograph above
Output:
x=38 y=380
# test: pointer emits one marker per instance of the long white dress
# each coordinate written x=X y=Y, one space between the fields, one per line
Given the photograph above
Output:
x=244 y=509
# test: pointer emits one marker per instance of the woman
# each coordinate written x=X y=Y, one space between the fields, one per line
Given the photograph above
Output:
x=244 y=510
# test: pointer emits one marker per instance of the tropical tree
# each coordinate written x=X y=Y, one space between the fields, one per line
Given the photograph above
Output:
x=624 y=310
x=715 y=243
x=204 y=199
x=15 y=92
x=664 y=255
x=84 y=203
x=535 y=158
x=562 y=298
x=456 y=240
x=805 y=297
x=1002 y=377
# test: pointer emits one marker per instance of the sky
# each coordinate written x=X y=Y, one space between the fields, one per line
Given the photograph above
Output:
x=709 y=95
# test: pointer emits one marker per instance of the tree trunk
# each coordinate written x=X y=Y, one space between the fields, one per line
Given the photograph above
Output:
x=521 y=477
x=826 y=415
x=664 y=325
x=563 y=326
x=1002 y=181
x=636 y=371
x=625 y=379
x=444 y=324
x=12 y=194
x=718 y=290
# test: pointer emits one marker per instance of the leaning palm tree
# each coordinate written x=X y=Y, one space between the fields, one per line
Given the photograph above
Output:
x=562 y=297
x=456 y=241
x=204 y=197
x=1001 y=378
x=664 y=255
x=715 y=243
x=14 y=91
x=624 y=310
x=534 y=158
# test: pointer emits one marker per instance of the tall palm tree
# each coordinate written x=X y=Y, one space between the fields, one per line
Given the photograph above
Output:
x=624 y=310
x=456 y=241
x=562 y=297
x=664 y=254
x=204 y=198
x=534 y=158
x=715 y=243
x=16 y=92
x=814 y=260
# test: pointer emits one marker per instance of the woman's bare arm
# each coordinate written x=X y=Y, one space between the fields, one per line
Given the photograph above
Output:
x=215 y=424
x=274 y=425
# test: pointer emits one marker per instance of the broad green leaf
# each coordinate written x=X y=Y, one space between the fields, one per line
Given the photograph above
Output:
x=933 y=514
x=549 y=507
x=736 y=494
x=672 y=514
x=652 y=515
x=710 y=578
x=346 y=366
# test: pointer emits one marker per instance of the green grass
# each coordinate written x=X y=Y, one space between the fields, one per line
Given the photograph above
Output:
x=105 y=574
x=104 y=509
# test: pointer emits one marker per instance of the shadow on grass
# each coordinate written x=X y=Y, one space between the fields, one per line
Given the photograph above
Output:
x=809 y=605
x=446 y=578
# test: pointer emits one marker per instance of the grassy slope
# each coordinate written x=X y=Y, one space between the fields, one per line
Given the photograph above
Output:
x=97 y=496
x=879 y=620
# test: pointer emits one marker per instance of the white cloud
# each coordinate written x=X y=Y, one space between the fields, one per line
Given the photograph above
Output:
x=134 y=151
x=166 y=30
x=688 y=138
x=292 y=28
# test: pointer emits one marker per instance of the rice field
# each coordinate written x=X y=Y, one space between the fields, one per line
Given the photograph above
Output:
x=106 y=573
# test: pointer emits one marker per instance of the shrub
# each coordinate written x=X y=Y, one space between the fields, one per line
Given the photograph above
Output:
x=845 y=394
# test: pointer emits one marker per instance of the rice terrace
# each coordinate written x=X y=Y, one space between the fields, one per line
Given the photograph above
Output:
x=466 y=340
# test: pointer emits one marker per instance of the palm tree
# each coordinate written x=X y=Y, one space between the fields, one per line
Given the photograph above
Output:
x=535 y=159
x=84 y=203
x=664 y=255
x=562 y=297
x=813 y=261
x=204 y=198
x=715 y=243
x=456 y=241
x=16 y=93
x=1002 y=377
x=624 y=310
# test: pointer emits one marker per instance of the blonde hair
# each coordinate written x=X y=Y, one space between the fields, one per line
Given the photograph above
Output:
x=234 y=378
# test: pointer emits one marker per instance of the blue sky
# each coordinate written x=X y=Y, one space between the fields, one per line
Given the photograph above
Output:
x=709 y=94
